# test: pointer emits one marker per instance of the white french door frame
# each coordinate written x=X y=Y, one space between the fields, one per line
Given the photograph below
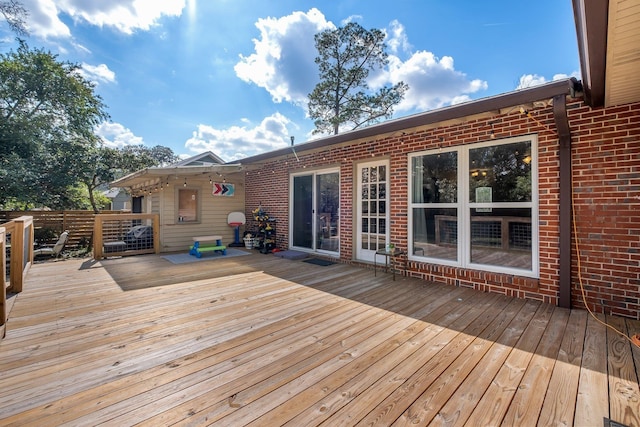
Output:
x=368 y=242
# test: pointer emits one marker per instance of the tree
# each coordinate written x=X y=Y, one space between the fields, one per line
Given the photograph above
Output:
x=15 y=14
x=104 y=164
x=48 y=113
x=345 y=58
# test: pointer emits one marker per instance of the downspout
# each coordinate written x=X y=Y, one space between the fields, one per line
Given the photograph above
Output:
x=564 y=141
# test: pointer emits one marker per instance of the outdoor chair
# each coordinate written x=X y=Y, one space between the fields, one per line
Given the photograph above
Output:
x=54 y=250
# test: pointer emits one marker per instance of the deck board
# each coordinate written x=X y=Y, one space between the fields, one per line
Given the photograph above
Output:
x=258 y=340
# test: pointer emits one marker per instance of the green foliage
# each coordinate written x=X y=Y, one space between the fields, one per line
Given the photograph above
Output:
x=346 y=56
x=48 y=112
x=102 y=165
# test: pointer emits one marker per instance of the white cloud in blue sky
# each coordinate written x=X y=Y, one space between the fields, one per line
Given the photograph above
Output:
x=238 y=142
x=97 y=73
x=115 y=135
x=233 y=76
x=125 y=16
x=283 y=60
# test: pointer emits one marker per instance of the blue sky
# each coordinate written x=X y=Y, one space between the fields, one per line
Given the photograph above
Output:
x=231 y=76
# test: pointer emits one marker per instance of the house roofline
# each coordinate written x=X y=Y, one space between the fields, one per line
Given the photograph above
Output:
x=591 y=18
x=146 y=176
x=495 y=103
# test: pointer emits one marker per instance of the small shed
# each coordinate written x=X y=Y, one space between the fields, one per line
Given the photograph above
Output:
x=192 y=197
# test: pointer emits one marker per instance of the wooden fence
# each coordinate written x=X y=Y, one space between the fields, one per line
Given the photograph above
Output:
x=114 y=236
x=79 y=224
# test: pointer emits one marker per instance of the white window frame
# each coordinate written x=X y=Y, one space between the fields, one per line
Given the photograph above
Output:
x=463 y=207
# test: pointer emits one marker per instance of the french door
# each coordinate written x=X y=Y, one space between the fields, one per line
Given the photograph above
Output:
x=373 y=209
x=315 y=208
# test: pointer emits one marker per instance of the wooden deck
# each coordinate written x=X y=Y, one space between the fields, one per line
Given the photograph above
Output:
x=257 y=340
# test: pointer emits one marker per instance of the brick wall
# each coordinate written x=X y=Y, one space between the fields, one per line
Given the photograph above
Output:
x=606 y=175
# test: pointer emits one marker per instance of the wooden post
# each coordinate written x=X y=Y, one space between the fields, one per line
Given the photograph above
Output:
x=156 y=233
x=3 y=297
x=97 y=237
x=17 y=257
x=21 y=252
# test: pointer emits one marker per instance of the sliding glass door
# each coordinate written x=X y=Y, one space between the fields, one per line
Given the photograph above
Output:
x=315 y=202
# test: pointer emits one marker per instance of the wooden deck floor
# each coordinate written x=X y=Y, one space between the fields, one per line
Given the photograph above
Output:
x=256 y=340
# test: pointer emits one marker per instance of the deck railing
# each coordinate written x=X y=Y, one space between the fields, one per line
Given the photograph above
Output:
x=19 y=232
x=126 y=234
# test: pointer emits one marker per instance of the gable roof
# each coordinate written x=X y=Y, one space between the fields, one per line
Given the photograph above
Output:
x=205 y=163
x=203 y=159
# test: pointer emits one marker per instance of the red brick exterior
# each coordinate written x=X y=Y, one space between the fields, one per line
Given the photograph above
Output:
x=606 y=180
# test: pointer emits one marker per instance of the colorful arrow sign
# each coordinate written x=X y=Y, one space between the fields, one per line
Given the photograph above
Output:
x=223 y=189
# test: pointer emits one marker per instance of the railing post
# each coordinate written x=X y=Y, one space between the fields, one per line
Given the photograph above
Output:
x=156 y=233
x=21 y=259
x=17 y=257
x=3 y=283
x=97 y=237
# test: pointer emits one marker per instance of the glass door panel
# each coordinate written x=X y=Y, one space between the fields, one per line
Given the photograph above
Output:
x=302 y=211
x=315 y=208
x=327 y=207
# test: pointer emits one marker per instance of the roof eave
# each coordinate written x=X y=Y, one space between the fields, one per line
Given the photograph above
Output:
x=139 y=177
x=591 y=18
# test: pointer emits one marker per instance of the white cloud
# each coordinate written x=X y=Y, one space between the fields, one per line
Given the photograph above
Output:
x=115 y=135
x=43 y=19
x=433 y=82
x=397 y=39
x=283 y=62
x=238 y=142
x=529 y=80
x=97 y=73
x=125 y=16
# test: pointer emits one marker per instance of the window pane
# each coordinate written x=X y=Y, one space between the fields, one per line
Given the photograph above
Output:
x=187 y=205
x=502 y=237
x=382 y=173
x=502 y=172
x=435 y=178
x=365 y=174
x=435 y=233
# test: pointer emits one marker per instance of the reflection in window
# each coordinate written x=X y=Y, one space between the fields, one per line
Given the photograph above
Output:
x=435 y=233
x=435 y=178
x=491 y=227
x=505 y=169
x=502 y=238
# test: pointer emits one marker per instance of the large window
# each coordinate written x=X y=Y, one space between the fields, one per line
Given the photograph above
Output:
x=476 y=206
